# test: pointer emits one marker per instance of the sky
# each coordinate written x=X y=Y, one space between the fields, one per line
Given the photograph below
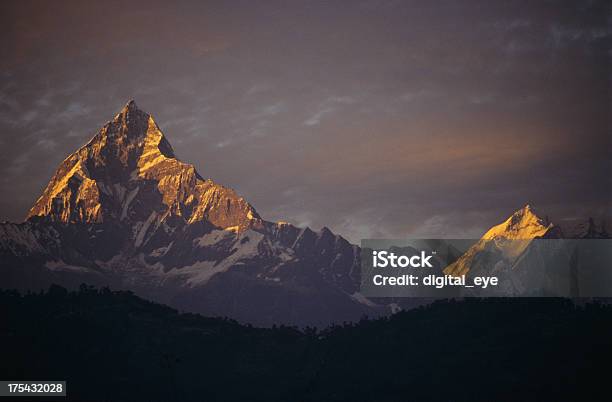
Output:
x=377 y=119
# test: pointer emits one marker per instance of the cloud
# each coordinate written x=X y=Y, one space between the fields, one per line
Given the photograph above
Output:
x=8 y=101
x=224 y=143
x=327 y=107
x=46 y=144
x=19 y=164
x=72 y=111
x=29 y=116
x=420 y=95
x=378 y=120
x=453 y=226
x=257 y=89
x=315 y=119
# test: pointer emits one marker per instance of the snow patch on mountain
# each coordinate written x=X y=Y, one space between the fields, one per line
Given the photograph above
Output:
x=201 y=272
x=212 y=238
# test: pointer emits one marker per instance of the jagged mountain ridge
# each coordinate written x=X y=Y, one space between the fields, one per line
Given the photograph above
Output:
x=124 y=211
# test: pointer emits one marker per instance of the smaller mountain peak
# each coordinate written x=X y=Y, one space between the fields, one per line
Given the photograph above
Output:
x=522 y=224
x=524 y=214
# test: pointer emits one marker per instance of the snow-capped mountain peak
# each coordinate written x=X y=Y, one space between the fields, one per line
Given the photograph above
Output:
x=523 y=224
x=124 y=211
x=508 y=240
x=128 y=172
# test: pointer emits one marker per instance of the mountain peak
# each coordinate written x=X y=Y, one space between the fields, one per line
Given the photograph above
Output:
x=128 y=173
x=130 y=107
x=524 y=223
x=526 y=210
x=511 y=238
x=130 y=122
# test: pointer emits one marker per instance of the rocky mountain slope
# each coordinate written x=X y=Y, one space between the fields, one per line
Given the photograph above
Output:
x=123 y=211
x=128 y=173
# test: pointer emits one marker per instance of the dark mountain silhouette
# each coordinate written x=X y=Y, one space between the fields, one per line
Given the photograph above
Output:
x=114 y=346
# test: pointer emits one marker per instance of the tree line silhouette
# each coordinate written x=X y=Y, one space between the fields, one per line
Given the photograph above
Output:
x=114 y=346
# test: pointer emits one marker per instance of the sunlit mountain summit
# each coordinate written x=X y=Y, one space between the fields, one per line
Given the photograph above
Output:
x=124 y=211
